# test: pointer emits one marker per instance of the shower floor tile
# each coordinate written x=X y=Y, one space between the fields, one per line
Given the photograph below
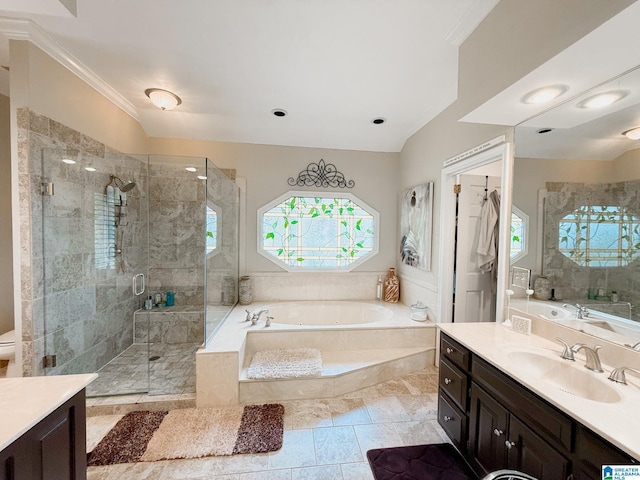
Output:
x=155 y=369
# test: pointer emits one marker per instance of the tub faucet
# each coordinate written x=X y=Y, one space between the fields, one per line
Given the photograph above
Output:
x=593 y=360
x=255 y=316
x=581 y=310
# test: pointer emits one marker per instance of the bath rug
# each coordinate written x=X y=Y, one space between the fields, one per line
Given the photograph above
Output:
x=191 y=433
x=439 y=461
x=285 y=363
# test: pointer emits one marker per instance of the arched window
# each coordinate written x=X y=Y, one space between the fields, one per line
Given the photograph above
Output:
x=317 y=231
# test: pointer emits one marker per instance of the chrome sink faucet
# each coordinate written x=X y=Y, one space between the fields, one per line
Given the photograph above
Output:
x=593 y=360
x=618 y=375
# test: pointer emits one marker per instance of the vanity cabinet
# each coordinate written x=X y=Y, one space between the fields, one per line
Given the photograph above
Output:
x=53 y=449
x=497 y=423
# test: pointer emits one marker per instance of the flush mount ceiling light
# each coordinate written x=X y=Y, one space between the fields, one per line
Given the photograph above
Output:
x=163 y=99
x=632 y=134
x=603 y=99
x=279 y=112
x=378 y=120
x=544 y=94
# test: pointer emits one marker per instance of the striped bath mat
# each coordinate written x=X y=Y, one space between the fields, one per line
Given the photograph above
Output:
x=191 y=433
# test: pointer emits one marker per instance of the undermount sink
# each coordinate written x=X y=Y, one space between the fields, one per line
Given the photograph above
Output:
x=564 y=375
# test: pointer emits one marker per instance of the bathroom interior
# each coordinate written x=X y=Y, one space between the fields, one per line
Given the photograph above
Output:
x=177 y=226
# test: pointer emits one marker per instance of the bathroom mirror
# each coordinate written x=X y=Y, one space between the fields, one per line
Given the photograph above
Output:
x=577 y=177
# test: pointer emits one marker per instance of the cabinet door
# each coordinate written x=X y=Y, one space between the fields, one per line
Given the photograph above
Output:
x=487 y=431
x=529 y=453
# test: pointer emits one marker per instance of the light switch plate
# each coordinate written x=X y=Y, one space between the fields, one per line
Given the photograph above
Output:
x=521 y=324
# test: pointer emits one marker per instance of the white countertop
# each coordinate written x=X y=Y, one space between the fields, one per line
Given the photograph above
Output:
x=25 y=401
x=618 y=421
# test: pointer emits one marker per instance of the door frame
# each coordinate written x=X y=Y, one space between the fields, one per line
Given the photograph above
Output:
x=497 y=149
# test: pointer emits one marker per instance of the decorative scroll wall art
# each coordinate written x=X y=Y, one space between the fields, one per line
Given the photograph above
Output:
x=321 y=174
x=416 y=218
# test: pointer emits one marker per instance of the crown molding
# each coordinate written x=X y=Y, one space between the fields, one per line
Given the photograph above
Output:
x=474 y=15
x=25 y=29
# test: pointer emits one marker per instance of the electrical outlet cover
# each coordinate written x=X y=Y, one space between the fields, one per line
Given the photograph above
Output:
x=521 y=324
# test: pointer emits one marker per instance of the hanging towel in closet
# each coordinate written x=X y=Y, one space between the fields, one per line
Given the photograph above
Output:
x=488 y=236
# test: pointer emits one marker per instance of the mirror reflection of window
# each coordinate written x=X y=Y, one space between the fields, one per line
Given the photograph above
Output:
x=519 y=225
x=213 y=230
x=600 y=236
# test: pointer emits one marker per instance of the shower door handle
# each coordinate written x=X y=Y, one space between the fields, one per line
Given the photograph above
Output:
x=138 y=284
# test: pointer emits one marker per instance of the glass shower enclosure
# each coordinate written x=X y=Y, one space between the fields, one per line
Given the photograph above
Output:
x=124 y=248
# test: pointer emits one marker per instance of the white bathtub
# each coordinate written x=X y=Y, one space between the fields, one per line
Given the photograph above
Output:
x=317 y=313
x=546 y=310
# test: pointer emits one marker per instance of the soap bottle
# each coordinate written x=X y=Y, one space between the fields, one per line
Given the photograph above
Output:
x=148 y=303
x=379 y=288
x=170 y=299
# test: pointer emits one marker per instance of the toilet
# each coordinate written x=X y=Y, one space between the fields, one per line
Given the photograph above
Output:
x=8 y=352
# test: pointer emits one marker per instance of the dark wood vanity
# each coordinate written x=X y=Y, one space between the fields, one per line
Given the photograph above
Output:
x=496 y=422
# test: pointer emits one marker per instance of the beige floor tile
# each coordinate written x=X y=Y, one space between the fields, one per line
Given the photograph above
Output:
x=284 y=474
x=418 y=433
x=323 y=472
x=357 y=471
x=386 y=409
x=376 y=436
x=420 y=407
x=348 y=411
x=98 y=427
x=297 y=451
x=336 y=445
x=310 y=414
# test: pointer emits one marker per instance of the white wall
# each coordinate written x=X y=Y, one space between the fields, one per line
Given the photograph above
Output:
x=6 y=250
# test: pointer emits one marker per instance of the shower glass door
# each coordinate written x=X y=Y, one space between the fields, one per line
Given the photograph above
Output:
x=91 y=251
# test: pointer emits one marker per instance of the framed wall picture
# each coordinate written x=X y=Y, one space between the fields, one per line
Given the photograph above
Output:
x=416 y=226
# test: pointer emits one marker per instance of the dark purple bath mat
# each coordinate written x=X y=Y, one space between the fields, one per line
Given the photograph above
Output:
x=419 y=462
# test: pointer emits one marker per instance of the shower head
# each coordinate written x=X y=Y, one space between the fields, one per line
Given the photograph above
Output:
x=124 y=187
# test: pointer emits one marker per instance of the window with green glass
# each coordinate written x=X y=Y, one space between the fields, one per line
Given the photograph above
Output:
x=317 y=231
x=600 y=236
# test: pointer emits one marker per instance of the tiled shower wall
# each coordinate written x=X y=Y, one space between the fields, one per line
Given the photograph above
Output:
x=570 y=279
x=70 y=308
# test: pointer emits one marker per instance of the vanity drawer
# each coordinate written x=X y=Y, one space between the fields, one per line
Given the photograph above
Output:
x=454 y=382
x=453 y=351
x=452 y=421
x=550 y=423
x=593 y=451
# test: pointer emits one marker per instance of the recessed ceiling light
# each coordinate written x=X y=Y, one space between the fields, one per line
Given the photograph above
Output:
x=90 y=169
x=163 y=99
x=545 y=130
x=202 y=177
x=632 y=134
x=378 y=120
x=544 y=94
x=191 y=169
x=603 y=99
x=279 y=112
x=68 y=161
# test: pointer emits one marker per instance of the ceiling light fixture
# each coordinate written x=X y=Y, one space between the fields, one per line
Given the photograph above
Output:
x=603 y=99
x=544 y=94
x=378 y=120
x=279 y=112
x=632 y=134
x=163 y=99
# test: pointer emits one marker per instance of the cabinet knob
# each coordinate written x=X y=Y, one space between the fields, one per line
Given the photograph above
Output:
x=447 y=381
x=447 y=418
x=450 y=350
x=510 y=444
x=497 y=432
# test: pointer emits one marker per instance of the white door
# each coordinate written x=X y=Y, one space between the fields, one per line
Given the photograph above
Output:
x=474 y=300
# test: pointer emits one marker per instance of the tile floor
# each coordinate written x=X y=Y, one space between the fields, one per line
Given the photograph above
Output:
x=324 y=439
x=173 y=372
